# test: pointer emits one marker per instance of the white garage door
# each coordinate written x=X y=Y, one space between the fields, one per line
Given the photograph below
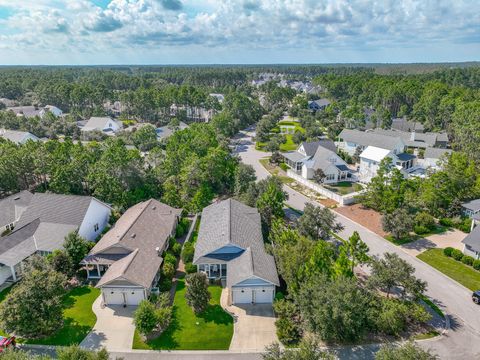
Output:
x=134 y=297
x=263 y=295
x=113 y=297
x=242 y=296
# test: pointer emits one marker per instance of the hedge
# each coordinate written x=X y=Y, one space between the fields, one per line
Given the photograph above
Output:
x=457 y=254
x=448 y=251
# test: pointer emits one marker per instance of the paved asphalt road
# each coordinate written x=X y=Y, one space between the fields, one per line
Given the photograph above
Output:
x=462 y=341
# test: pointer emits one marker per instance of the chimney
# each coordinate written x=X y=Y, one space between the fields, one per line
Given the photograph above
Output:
x=157 y=249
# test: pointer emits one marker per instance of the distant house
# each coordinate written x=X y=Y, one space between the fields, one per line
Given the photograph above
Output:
x=52 y=109
x=219 y=97
x=12 y=207
x=371 y=157
x=127 y=259
x=311 y=156
x=351 y=140
x=319 y=104
x=104 y=124
x=43 y=223
x=471 y=208
x=166 y=131
x=18 y=137
x=230 y=248
x=27 y=111
x=432 y=156
x=402 y=124
x=417 y=140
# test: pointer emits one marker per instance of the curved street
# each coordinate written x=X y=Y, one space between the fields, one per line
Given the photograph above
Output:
x=461 y=341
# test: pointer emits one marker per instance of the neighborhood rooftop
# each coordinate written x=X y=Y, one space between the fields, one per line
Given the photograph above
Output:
x=13 y=206
x=369 y=139
x=473 y=205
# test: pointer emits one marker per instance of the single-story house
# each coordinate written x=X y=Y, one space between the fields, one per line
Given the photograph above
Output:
x=230 y=248
x=319 y=104
x=166 y=131
x=18 y=137
x=402 y=124
x=432 y=156
x=52 y=109
x=27 y=111
x=126 y=260
x=471 y=208
x=12 y=207
x=43 y=225
x=471 y=243
x=104 y=124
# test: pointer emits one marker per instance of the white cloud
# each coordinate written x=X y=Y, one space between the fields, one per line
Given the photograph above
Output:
x=142 y=25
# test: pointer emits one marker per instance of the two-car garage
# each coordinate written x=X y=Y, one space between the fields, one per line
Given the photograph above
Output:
x=253 y=294
x=122 y=296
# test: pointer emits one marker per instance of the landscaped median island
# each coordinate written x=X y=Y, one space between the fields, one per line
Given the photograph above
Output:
x=456 y=270
x=209 y=330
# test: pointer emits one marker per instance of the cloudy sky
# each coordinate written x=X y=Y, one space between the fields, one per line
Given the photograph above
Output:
x=237 y=31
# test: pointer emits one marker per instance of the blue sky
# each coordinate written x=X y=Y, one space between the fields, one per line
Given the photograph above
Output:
x=237 y=31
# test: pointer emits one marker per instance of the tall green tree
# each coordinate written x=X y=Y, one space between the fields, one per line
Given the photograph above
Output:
x=318 y=222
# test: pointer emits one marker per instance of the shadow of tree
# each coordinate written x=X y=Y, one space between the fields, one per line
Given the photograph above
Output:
x=216 y=314
x=167 y=339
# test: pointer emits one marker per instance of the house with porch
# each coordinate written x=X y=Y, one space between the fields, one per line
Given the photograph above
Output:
x=104 y=124
x=321 y=154
x=471 y=208
x=126 y=260
x=317 y=105
x=45 y=221
x=230 y=248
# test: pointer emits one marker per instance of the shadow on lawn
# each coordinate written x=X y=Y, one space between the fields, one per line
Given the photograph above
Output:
x=71 y=333
x=69 y=299
x=216 y=314
x=166 y=340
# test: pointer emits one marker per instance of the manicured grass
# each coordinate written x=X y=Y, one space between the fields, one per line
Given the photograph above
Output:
x=465 y=275
x=432 y=305
x=78 y=318
x=211 y=330
x=343 y=187
x=288 y=145
x=428 y=335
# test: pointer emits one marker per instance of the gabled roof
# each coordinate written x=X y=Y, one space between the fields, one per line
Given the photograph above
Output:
x=473 y=239
x=369 y=138
x=230 y=222
x=473 y=205
x=142 y=229
x=13 y=206
x=374 y=153
x=312 y=146
x=99 y=123
x=403 y=124
x=27 y=111
x=16 y=136
x=227 y=222
x=320 y=102
x=166 y=131
x=252 y=264
x=321 y=159
x=435 y=153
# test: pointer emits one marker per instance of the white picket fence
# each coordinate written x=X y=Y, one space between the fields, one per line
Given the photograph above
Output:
x=341 y=199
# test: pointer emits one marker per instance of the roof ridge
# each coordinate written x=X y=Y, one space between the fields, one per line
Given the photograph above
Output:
x=136 y=218
x=134 y=252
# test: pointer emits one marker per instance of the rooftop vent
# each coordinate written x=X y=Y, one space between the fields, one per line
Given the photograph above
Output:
x=157 y=249
x=133 y=236
x=154 y=207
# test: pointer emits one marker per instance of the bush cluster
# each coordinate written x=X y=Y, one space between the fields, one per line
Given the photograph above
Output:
x=463 y=224
x=459 y=256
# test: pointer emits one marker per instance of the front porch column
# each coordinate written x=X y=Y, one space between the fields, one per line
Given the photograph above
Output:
x=12 y=269
x=98 y=270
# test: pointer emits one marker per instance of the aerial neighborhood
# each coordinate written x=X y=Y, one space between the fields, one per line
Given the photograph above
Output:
x=253 y=210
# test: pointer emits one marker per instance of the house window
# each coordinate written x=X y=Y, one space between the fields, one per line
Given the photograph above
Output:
x=9 y=226
x=95 y=227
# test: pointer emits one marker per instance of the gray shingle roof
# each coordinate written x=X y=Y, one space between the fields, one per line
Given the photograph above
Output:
x=473 y=239
x=403 y=124
x=311 y=147
x=98 y=123
x=294 y=156
x=19 y=244
x=56 y=208
x=230 y=222
x=13 y=206
x=370 y=138
x=15 y=136
x=142 y=229
x=473 y=205
x=27 y=111
x=435 y=153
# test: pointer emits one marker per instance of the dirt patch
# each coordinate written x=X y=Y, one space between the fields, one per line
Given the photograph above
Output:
x=369 y=218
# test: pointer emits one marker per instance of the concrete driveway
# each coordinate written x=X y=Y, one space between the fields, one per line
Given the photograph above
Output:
x=114 y=328
x=254 y=326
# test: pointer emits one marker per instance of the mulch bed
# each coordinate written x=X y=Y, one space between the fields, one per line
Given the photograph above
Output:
x=369 y=218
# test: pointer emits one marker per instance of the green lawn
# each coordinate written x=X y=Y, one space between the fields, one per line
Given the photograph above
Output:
x=343 y=187
x=465 y=275
x=78 y=318
x=288 y=145
x=211 y=330
x=402 y=241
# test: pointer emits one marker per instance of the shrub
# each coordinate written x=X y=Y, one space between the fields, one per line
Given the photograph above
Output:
x=417 y=314
x=457 y=254
x=163 y=317
x=448 y=251
x=465 y=225
x=168 y=270
x=446 y=222
x=176 y=249
x=283 y=166
x=287 y=331
x=467 y=260
x=144 y=317
x=279 y=296
x=425 y=220
x=420 y=229
x=187 y=252
x=170 y=259
x=182 y=227
x=165 y=284
x=476 y=264
x=190 y=268
x=392 y=318
x=197 y=295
